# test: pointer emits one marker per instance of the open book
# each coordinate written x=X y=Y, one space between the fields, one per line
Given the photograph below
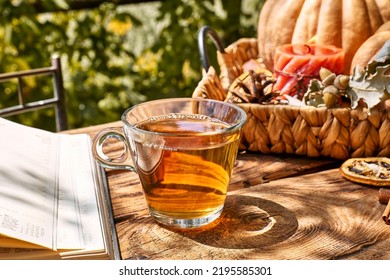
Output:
x=54 y=199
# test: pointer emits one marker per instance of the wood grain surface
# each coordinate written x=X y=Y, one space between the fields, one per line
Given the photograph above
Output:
x=278 y=207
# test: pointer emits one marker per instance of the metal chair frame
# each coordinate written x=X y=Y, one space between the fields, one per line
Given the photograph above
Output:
x=57 y=101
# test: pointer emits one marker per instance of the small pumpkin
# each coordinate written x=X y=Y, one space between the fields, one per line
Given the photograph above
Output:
x=368 y=50
x=342 y=23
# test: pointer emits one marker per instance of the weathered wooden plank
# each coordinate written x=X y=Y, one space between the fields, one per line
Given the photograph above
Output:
x=252 y=169
x=315 y=216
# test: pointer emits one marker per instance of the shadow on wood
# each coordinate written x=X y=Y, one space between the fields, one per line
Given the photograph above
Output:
x=247 y=222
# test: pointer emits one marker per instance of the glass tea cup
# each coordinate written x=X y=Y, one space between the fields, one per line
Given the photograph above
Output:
x=183 y=150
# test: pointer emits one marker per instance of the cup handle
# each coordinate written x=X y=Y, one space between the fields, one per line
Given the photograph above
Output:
x=121 y=162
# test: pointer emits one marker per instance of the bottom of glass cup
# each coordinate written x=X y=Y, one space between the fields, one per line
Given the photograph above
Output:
x=185 y=223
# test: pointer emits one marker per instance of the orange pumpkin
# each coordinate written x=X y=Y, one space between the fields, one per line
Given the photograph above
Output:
x=342 y=23
x=371 y=46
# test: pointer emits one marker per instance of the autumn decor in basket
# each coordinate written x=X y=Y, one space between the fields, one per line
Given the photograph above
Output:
x=315 y=82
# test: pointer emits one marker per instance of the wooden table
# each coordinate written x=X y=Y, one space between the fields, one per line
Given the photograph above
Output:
x=278 y=207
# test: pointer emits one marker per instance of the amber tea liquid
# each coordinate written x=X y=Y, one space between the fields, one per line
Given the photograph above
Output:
x=185 y=172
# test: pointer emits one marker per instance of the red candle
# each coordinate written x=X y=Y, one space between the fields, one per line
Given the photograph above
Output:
x=296 y=65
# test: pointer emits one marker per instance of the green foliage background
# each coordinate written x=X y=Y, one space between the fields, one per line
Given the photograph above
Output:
x=115 y=56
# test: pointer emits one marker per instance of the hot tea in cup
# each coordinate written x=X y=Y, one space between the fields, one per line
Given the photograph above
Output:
x=183 y=151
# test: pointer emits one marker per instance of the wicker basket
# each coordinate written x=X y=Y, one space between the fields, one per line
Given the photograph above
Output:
x=281 y=129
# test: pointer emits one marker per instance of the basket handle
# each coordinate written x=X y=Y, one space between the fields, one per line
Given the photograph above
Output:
x=203 y=33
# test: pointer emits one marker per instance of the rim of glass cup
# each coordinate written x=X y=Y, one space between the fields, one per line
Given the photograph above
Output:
x=240 y=123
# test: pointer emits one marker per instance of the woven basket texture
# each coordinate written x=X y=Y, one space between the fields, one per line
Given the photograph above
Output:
x=339 y=133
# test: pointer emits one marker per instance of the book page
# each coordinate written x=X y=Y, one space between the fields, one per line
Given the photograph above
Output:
x=28 y=183
x=84 y=180
x=69 y=227
x=49 y=195
x=9 y=242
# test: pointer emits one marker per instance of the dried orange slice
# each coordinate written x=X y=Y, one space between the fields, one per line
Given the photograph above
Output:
x=371 y=170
